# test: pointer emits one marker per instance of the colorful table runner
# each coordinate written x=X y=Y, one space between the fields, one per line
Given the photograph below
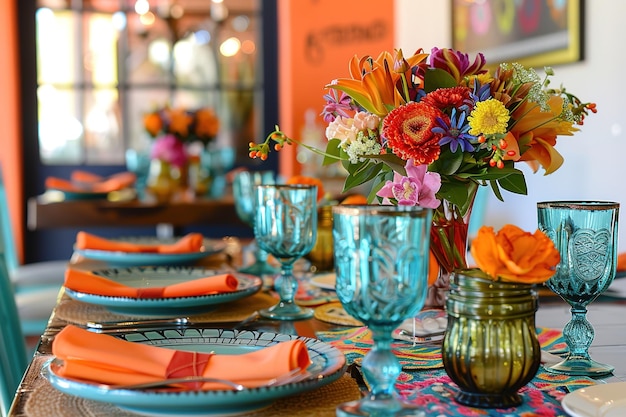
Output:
x=424 y=382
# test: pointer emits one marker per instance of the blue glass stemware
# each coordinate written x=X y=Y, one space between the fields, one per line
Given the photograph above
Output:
x=285 y=225
x=585 y=233
x=381 y=262
x=243 y=194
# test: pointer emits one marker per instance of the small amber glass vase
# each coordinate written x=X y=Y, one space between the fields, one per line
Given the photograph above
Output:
x=322 y=254
x=163 y=180
x=490 y=349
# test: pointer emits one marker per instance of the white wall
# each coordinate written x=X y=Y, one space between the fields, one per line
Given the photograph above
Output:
x=595 y=163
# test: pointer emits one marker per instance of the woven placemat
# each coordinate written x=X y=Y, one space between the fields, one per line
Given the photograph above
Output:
x=46 y=401
x=334 y=313
x=78 y=312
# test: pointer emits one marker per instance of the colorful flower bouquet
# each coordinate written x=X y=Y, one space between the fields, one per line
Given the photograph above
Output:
x=177 y=132
x=187 y=126
x=429 y=130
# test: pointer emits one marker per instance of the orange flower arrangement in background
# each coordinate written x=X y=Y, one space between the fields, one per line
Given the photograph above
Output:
x=302 y=179
x=513 y=255
x=188 y=126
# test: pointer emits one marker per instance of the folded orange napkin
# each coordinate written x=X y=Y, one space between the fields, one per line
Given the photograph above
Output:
x=89 y=283
x=82 y=181
x=102 y=358
x=191 y=242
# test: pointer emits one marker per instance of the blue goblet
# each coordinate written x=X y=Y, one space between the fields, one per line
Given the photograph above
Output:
x=243 y=194
x=285 y=225
x=585 y=233
x=381 y=262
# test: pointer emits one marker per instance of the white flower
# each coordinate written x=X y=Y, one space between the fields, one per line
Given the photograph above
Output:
x=342 y=128
x=363 y=145
x=364 y=121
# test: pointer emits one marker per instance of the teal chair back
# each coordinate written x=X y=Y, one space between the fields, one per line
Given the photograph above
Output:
x=12 y=345
x=6 y=246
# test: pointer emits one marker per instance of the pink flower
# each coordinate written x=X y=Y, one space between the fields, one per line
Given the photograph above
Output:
x=169 y=149
x=418 y=188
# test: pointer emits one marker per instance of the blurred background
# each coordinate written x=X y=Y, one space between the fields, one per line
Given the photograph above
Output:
x=82 y=74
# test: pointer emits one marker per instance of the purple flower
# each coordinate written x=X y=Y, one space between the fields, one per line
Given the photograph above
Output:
x=169 y=149
x=337 y=105
x=456 y=133
x=457 y=63
x=418 y=188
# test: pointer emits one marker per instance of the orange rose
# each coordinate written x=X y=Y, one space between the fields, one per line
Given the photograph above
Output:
x=513 y=255
x=355 y=199
x=153 y=123
x=302 y=179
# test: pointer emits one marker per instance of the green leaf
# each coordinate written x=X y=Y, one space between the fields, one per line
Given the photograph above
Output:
x=391 y=160
x=378 y=183
x=515 y=183
x=437 y=78
x=496 y=190
x=448 y=162
x=333 y=148
x=363 y=174
x=362 y=99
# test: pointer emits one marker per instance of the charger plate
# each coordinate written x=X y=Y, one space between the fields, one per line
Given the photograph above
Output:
x=328 y=364
x=157 y=276
x=120 y=259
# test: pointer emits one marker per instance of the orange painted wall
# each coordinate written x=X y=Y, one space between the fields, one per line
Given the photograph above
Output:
x=10 y=131
x=316 y=40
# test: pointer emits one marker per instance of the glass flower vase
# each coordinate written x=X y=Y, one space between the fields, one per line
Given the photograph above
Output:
x=163 y=180
x=490 y=349
x=448 y=243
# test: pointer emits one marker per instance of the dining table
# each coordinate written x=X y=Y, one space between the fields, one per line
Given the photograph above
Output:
x=51 y=210
x=422 y=377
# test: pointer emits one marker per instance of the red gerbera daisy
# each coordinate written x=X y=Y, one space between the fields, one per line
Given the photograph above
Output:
x=444 y=98
x=408 y=130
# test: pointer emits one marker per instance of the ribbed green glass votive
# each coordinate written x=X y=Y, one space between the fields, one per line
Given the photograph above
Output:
x=490 y=349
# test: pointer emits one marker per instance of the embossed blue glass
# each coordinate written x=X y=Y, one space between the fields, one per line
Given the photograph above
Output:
x=381 y=262
x=243 y=194
x=285 y=225
x=585 y=233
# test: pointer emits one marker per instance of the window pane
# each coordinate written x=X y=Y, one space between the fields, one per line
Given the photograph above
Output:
x=195 y=63
x=102 y=67
x=103 y=130
x=99 y=62
x=60 y=126
x=148 y=58
x=57 y=65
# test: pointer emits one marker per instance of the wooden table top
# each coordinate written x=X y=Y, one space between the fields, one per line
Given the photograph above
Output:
x=46 y=213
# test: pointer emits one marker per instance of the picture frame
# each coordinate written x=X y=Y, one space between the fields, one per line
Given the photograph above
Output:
x=535 y=33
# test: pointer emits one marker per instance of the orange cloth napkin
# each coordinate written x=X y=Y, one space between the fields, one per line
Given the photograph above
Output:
x=89 y=283
x=191 y=242
x=85 y=182
x=102 y=358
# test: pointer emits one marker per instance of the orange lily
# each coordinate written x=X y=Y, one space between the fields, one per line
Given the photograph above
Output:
x=373 y=84
x=536 y=131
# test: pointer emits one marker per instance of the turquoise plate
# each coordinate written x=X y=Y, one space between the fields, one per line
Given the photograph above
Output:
x=328 y=365
x=210 y=247
x=157 y=276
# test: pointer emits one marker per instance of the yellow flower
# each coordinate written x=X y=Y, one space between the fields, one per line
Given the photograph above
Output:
x=489 y=117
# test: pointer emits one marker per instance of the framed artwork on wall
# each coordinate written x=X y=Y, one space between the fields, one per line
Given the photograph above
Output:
x=535 y=33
